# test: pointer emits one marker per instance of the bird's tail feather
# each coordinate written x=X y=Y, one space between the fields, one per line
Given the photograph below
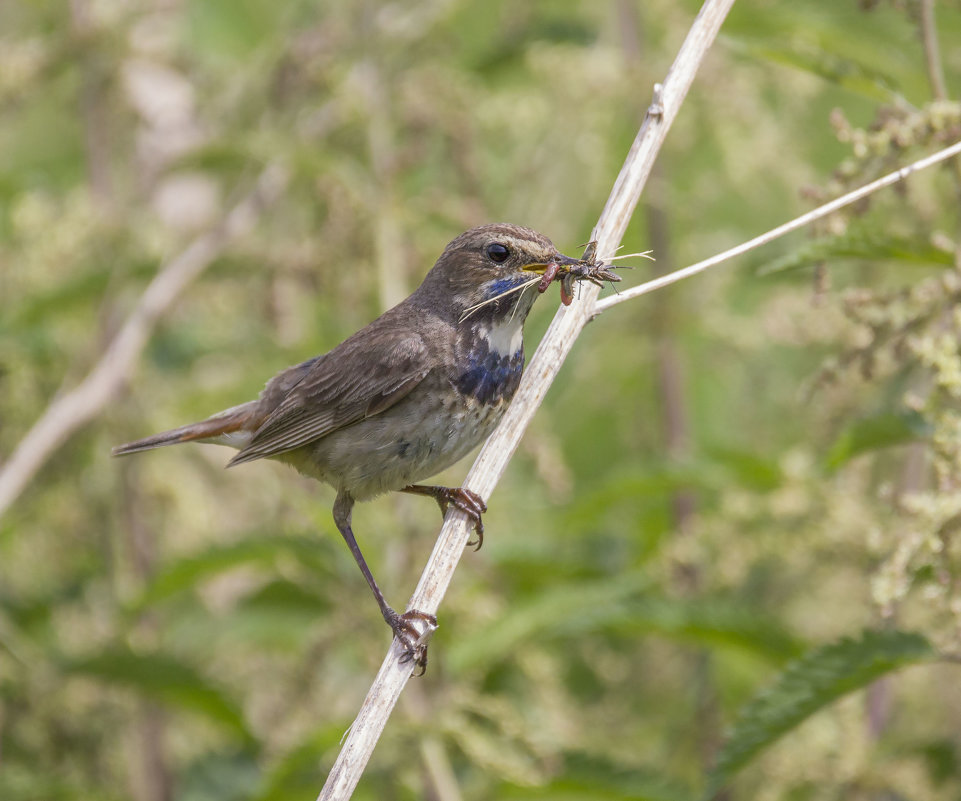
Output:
x=225 y=422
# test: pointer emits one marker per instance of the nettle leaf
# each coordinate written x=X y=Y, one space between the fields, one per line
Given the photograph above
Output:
x=874 y=433
x=166 y=679
x=812 y=682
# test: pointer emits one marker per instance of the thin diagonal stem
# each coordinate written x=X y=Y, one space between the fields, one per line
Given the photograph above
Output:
x=781 y=230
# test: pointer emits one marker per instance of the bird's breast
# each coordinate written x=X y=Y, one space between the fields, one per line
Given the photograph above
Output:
x=491 y=363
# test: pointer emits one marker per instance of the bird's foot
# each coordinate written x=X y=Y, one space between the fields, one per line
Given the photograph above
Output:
x=469 y=502
x=472 y=505
x=413 y=630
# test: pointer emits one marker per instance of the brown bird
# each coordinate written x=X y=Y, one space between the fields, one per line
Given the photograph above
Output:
x=404 y=397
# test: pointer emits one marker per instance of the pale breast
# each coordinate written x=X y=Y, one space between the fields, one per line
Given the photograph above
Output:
x=446 y=416
x=424 y=433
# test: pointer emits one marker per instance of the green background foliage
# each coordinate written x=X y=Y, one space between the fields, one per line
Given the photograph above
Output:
x=725 y=557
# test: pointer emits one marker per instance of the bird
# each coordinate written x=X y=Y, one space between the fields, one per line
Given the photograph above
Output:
x=403 y=398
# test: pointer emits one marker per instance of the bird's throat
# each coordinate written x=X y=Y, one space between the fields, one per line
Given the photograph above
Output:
x=503 y=337
x=494 y=360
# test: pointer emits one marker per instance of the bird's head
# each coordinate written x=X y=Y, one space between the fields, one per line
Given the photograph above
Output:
x=491 y=272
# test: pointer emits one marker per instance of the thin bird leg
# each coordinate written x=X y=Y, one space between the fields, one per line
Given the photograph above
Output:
x=413 y=629
x=470 y=503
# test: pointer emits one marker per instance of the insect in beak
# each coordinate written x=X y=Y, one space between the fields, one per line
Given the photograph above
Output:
x=567 y=270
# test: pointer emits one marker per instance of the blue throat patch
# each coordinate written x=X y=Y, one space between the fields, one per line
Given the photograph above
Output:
x=503 y=285
x=506 y=305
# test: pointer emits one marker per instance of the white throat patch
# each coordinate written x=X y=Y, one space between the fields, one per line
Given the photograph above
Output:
x=504 y=337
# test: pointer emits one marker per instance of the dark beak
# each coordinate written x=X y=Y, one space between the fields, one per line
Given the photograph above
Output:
x=564 y=261
x=557 y=260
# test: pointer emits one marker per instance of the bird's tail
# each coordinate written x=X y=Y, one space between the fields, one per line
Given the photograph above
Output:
x=224 y=423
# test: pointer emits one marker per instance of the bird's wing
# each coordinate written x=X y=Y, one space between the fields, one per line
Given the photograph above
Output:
x=358 y=379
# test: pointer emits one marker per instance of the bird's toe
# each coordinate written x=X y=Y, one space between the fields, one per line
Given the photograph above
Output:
x=472 y=505
x=413 y=630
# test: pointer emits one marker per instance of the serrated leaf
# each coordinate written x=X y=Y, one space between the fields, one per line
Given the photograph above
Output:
x=874 y=433
x=166 y=679
x=812 y=682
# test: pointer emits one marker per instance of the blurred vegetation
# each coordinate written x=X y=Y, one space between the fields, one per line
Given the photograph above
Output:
x=726 y=556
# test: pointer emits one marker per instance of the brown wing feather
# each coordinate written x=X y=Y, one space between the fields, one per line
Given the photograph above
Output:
x=359 y=378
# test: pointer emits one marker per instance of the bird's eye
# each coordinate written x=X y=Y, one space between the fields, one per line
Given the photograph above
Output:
x=498 y=253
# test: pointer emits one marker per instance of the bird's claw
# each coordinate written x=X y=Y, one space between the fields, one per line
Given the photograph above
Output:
x=467 y=501
x=472 y=505
x=413 y=631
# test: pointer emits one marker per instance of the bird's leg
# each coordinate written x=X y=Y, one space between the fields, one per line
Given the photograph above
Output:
x=414 y=628
x=470 y=503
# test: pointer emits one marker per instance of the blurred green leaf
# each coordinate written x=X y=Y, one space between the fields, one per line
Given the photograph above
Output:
x=709 y=622
x=298 y=773
x=32 y=614
x=832 y=66
x=223 y=157
x=187 y=573
x=577 y=607
x=590 y=777
x=873 y=433
x=942 y=758
x=748 y=468
x=224 y=776
x=164 y=678
x=81 y=290
x=20 y=782
x=862 y=243
x=652 y=482
x=808 y=685
x=280 y=616
x=233 y=29
x=287 y=597
x=613 y=604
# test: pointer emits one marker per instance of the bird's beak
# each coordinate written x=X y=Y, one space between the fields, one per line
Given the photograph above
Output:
x=557 y=260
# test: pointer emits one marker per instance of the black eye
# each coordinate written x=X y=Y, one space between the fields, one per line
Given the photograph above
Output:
x=498 y=253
